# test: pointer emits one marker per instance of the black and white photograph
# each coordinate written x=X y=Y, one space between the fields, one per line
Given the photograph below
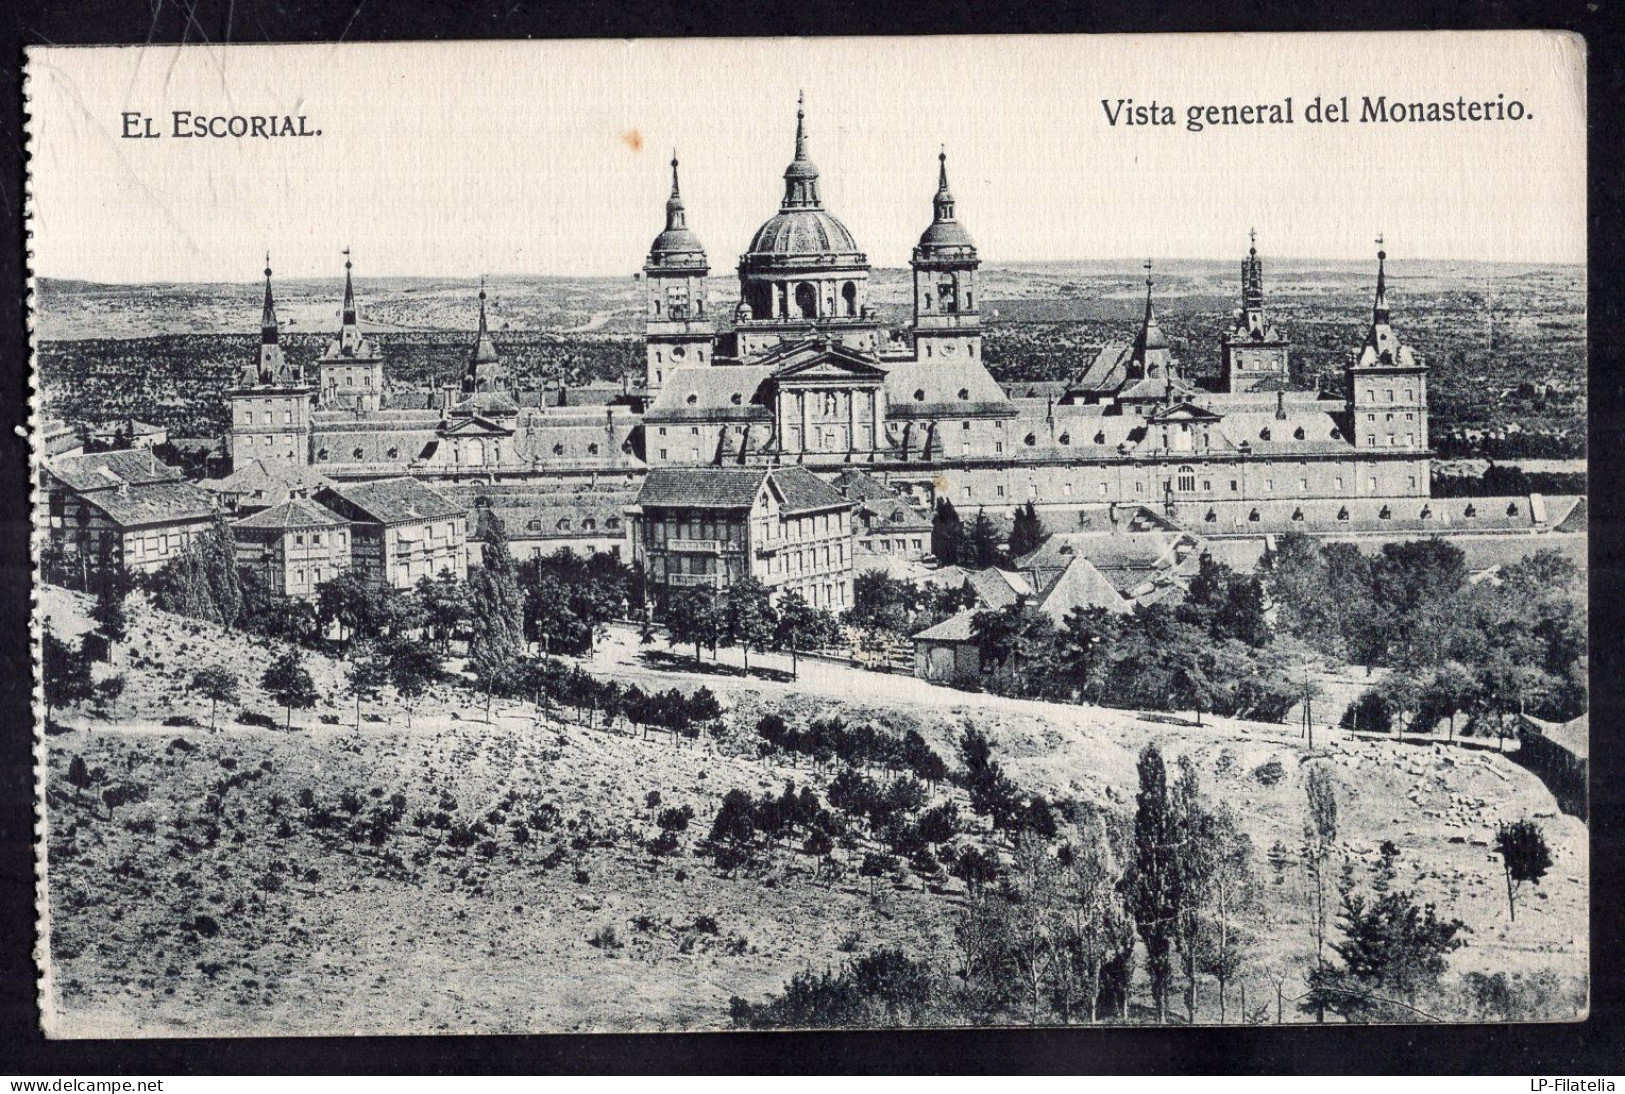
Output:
x=704 y=535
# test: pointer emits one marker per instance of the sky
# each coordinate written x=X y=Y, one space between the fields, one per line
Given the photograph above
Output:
x=551 y=158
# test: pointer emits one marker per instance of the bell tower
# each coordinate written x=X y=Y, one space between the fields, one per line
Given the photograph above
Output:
x=1387 y=386
x=679 y=331
x=947 y=325
x=270 y=406
x=1253 y=355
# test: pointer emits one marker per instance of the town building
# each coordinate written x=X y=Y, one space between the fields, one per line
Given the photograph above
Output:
x=126 y=507
x=271 y=403
x=293 y=546
x=400 y=530
x=711 y=527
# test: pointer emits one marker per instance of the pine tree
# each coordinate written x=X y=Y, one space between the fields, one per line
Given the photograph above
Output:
x=496 y=606
x=1027 y=532
x=218 y=558
x=947 y=534
x=982 y=541
x=66 y=673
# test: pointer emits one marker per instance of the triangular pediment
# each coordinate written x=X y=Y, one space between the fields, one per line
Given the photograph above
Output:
x=474 y=426
x=1185 y=412
x=816 y=361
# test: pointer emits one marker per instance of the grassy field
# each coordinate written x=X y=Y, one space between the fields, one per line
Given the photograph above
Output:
x=229 y=902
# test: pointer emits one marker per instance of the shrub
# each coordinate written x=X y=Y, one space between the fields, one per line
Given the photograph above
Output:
x=1269 y=772
x=253 y=718
x=181 y=744
x=205 y=925
x=180 y=720
x=705 y=924
x=605 y=939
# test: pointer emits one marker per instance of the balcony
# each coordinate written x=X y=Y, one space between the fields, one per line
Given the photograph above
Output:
x=703 y=580
x=700 y=546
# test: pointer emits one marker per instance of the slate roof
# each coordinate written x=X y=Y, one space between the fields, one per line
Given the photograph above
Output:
x=735 y=488
x=100 y=470
x=1081 y=585
x=940 y=382
x=152 y=503
x=293 y=513
x=702 y=487
x=396 y=501
x=269 y=484
x=712 y=393
x=956 y=628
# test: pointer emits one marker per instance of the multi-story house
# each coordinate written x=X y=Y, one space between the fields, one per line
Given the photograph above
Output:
x=400 y=530
x=711 y=527
x=293 y=546
x=127 y=507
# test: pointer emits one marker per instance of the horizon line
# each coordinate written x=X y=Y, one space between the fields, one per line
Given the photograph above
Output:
x=1134 y=261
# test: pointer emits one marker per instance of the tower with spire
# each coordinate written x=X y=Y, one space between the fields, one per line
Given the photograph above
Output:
x=947 y=324
x=679 y=330
x=350 y=375
x=485 y=370
x=1253 y=356
x=1387 y=385
x=270 y=406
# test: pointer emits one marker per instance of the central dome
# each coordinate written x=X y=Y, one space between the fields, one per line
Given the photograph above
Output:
x=802 y=232
x=793 y=233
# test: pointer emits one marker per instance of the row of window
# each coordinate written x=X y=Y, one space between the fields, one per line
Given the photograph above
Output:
x=588 y=524
x=1388 y=395
x=1385 y=513
x=899 y=545
x=1184 y=481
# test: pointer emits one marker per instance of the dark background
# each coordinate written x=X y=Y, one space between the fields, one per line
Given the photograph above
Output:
x=1595 y=1047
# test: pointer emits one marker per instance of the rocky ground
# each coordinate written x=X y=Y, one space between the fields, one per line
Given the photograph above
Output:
x=230 y=902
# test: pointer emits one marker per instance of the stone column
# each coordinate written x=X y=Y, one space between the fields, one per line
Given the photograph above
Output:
x=852 y=415
x=806 y=422
x=874 y=420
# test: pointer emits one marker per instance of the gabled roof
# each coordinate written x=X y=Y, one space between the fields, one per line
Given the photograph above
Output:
x=956 y=628
x=394 y=501
x=997 y=588
x=1081 y=585
x=100 y=470
x=152 y=503
x=1184 y=411
x=800 y=491
x=293 y=513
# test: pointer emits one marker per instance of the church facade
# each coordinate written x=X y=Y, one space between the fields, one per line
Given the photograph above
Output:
x=801 y=371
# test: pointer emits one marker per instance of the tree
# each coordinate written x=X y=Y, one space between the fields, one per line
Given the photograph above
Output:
x=1154 y=875
x=66 y=673
x=1087 y=643
x=692 y=616
x=1027 y=532
x=981 y=542
x=496 y=617
x=78 y=777
x=217 y=555
x=1232 y=896
x=445 y=605
x=288 y=682
x=748 y=616
x=217 y=684
x=1092 y=917
x=1524 y=857
x=369 y=671
x=801 y=626
x=412 y=668
x=357 y=607
x=494 y=665
x=1319 y=836
x=1392 y=951
x=947 y=534
x=109 y=613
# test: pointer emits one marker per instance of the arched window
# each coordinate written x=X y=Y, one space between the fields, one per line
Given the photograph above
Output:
x=1343 y=513
x=736 y=398
x=1029 y=440
x=1187 y=479
x=592 y=449
x=964 y=393
x=919 y=395
x=558 y=450
x=692 y=399
x=1100 y=437
x=1385 y=513
x=356 y=452
x=393 y=452
x=849 y=297
x=807 y=301
x=589 y=525
x=1297 y=514
x=1066 y=438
